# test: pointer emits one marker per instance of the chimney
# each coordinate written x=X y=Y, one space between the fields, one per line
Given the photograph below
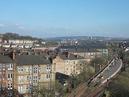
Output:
x=29 y=53
x=66 y=54
x=14 y=55
x=76 y=56
x=50 y=60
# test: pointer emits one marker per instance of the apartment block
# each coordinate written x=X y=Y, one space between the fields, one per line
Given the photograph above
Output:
x=68 y=64
x=25 y=73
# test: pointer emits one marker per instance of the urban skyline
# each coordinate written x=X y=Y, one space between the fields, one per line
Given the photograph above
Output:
x=55 y=18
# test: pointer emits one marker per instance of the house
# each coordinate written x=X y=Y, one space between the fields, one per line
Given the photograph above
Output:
x=13 y=45
x=88 y=51
x=6 y=45
x=89 y=54
x=68 y=64
x=21 y=41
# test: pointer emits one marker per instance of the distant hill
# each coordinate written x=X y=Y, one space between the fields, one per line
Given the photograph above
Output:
x=10 y=35
x=98 y=38
x=80 y=38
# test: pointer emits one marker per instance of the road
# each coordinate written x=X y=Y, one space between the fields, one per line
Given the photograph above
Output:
x=99 y=80
x=110 y=71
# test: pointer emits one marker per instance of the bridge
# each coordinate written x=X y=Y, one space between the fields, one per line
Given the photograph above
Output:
x=99 y=80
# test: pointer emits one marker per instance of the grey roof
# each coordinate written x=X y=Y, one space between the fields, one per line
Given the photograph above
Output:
x=5 y=59
x=70 y=57
x=82 y=50
x=31 y=60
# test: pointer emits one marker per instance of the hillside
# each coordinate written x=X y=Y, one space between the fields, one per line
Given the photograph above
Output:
x=9 y=35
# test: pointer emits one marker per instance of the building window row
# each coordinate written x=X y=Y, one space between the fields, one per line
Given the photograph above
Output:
x=10 y=76
x=34 y=78
x=10 y=86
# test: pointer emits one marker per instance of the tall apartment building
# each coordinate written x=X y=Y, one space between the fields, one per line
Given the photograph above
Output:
x=68 y=64
x=6 y=74
x=26 y=72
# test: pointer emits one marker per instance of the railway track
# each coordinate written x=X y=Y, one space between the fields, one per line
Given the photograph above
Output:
x=76 y=92
x=107 y=73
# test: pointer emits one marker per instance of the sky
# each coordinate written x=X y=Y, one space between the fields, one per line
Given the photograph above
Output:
x=56 y=18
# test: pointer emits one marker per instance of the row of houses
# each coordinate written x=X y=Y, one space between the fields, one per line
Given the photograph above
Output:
x=18 y=43
x=87 y=53
x=7 y=45
x=92 y=53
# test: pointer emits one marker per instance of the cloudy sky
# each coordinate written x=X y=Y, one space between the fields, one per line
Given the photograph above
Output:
x=54 y=18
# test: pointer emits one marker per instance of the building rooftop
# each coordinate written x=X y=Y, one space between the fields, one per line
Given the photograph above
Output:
x=83 y=48
x=5 y=59
x=31 y=60
x=69 y=56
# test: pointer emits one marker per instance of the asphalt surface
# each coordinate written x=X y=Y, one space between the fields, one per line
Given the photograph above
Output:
x=110 y=71
x=105 y=75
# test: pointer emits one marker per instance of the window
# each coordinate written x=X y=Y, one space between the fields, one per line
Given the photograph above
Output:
x=35 y=70
x=11 y=65
x=21 y=69
x=28 y=77
x=10 y=85
x=10 y=76
x=27 y=87
x=48 y=68
x=48 y=76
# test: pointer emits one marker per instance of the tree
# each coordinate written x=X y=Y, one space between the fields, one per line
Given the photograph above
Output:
x=119 y=87
x=59 y=88
x=44 y=92
x=86 y=72
x=98 y=63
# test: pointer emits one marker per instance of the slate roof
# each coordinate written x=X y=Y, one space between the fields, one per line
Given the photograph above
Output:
x=31 y=60
x=5 y=59
x=70 y=57
x=82 y=50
